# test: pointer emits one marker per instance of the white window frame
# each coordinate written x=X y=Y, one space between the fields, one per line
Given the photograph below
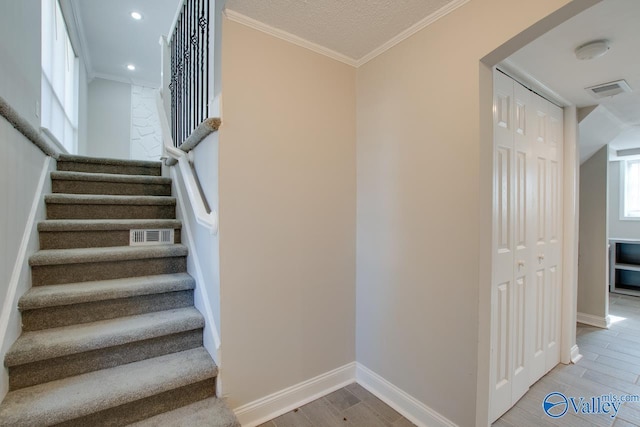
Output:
x=60 y=79
x=627 y=196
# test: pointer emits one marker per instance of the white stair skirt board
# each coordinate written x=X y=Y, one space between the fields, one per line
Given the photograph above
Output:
x=408 y=406
x=590 y=319
x=283 y=401
x=20 y=276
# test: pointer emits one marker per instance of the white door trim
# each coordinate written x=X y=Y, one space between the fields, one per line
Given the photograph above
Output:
x=569 y=351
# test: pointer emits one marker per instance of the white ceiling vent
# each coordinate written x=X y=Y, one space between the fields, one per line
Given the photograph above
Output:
x=609 y=89
x=151 y=237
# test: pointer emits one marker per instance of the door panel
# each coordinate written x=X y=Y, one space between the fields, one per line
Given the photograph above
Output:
x=503 y=243
x=527 y=230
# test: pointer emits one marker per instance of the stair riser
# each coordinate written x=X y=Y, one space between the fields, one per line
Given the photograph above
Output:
x=69 y=273
x=84 y=211
x=113 y=188
x=54 y=317
x=88 y=239
x=146 y=407
x=102 y=168
x=62 y=367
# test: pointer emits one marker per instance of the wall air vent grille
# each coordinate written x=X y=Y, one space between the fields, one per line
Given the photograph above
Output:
x=609 y=89
x=151 y=237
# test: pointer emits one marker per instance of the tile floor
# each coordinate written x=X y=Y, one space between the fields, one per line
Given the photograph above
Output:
x=351 y=406
x=610 y=364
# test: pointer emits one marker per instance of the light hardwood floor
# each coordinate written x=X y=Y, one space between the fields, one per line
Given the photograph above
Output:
x=351 y=406
x=610 y=364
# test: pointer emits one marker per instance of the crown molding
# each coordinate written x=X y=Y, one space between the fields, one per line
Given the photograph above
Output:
x=120 y=79
x=428 y=20
x=291 y=38
x=281 y=34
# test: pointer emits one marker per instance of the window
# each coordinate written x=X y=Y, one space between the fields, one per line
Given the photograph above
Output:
x=631 y=185
x=59 y=78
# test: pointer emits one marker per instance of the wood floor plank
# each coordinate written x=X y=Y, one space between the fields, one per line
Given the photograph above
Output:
x=631 y=350
x=614 y=383
x=384 y=410
x=403 y=422
x=360 y=415
x=294 y=418
x=619 y=422
x=629 y=414
x=342 y=399
x=358 y=391
x=519 y=417
x=609 y=370
x=322 y=413
x=601 y=351
x=632 y=367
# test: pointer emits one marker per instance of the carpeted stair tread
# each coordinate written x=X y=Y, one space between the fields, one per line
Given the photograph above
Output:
x=101 y=290
x=92 y=199
x=210 y=412
x=107 y=161
x=106 y=224
x=50 y=343
x=115 y=253
x=109 y=177
x=74 y=397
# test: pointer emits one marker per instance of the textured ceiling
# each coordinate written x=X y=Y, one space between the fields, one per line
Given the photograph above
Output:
x=112 y=39
x=352 y=28
x=551 y=60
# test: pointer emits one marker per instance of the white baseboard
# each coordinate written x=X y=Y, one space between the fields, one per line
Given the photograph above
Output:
x=590 y=319
x=408 y=406
x=267 y=408
x=575 y=354
x=283 y=401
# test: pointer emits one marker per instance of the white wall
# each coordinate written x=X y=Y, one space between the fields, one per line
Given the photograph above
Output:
x=287 y=214
x=20 y=68
x=592 y=252
x=620 y=229
x=424 y=200
x=109 y=124
x=19 y=180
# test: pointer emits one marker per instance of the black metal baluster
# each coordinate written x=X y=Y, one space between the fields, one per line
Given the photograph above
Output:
x=189 y=83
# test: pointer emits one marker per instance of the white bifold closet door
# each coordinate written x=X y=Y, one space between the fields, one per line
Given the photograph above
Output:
x=527 y=231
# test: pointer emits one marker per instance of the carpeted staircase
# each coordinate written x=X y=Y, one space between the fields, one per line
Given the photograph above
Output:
x=110 y=333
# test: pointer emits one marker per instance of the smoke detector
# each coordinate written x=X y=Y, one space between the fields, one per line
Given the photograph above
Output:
x=592 y=50
x=605 y=90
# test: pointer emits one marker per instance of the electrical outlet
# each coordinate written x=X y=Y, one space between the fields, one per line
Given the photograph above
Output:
x=38 y=109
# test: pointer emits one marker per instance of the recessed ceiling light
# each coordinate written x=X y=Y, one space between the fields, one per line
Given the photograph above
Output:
x=592 y=50
x=136 y=15
x=131 y=67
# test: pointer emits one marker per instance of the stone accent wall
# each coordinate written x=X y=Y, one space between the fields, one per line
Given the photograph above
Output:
x=146 y=138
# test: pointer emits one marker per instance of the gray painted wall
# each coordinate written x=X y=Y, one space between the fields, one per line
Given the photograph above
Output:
x=109 y=119
x=593 y=252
